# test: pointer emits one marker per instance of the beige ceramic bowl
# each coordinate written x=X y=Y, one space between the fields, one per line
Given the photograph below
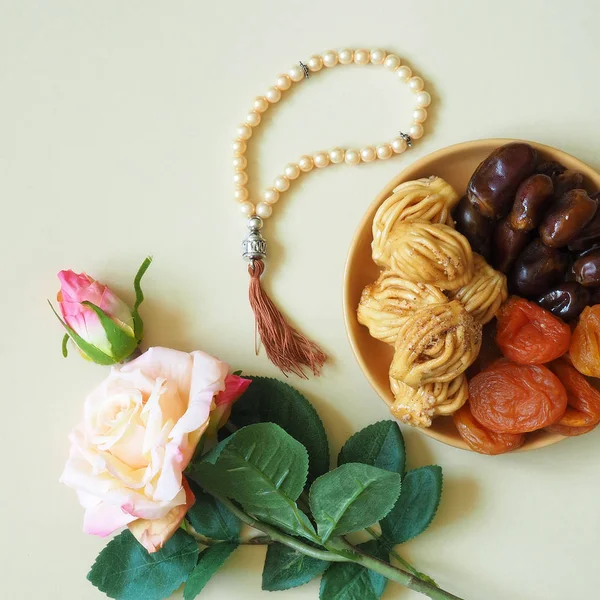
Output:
x=455 y=164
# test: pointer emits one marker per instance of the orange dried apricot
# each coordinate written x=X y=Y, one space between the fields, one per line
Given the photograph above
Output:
x=530 y=335
x=511 y=398
x=569 y=431
x=585 y=342
x=483 y=440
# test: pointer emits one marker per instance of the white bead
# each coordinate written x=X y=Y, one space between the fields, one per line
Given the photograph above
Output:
x=296 y=73
x=281 y=183
x=391 y=62
x=240 y=178
x=368 y=154
x=416 y=131
x=404 y=73
x=239 y=163
x=346 y=56
x=240 y=194
x=336 y=156
x=239 y=147
x=315 y=63
x=243 y=132
x=384 y=151
x=247 y=208
x=273 y=95
x=416 y=84
x=253 y=118
x=330 y=58
x=292 y=171
x=283 y=83
x=398 y=145
x=260 y=104
x=361 y=57
x=352 y=157
x=423 y=100
x=377 y=56
x=321 y=159
x=420 y=115
x=270 y=196
x=263 y=210
x=306 y=163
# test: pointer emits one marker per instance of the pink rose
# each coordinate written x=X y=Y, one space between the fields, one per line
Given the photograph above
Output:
x=139 y=432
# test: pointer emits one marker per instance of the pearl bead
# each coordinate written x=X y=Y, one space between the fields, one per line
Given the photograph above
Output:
x=361 y=57
x=330 y=58
x=239 y=163
x=416 y=131
x=260 y=104
x=404 y=73
x=247 y=208
x=240 y=194
x=306 y=163
x=281 y=184
x=321 y=159
x=273 y=95
x=315 y=63
x=423 y=100
x=346 y=56
x=239 y=147
x=352 y=157
x=283 y=83
x=263 y=210
x=416 y=84
x=253 y=118
x=244 y=132
x=336 y=156
x=391 y=62
x=399 y=145
x=384 y=151
x=377 y=56
x=420 y=115
x=368 y=154
x=296 y=73
x=270 y=196
x=292 y=171
x=240 y=178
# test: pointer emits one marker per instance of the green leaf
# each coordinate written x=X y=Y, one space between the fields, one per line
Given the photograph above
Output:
x=349 y=581
x=212 y=519
x=138 y=324
x=380 y=445
x=122 y=344
x=264 y=469
x=90 y=351
x=65 y=349
x=352 y=497
x=270 y=400
x=287 y=568
x=125 y=571
x=210 y=561
x=416 y=507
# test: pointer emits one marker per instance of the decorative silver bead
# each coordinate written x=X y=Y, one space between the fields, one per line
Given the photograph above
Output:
x=254 y=246
x=255 y=223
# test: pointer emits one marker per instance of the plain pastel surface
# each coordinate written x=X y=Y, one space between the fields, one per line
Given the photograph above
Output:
x=116 y=121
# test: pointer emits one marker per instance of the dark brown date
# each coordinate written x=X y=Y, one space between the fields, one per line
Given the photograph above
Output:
x=538 y=269
x=551 y=168
x=567 y=217
x=566 y=300
x=475 y=227
x=566 y=181
x=493 y=185
x=594 y=296
x=587 y=269
x=507 y=245
x=531 y=199
x=590 y=234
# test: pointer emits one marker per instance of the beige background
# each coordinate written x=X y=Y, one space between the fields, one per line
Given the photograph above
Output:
x=115 y=126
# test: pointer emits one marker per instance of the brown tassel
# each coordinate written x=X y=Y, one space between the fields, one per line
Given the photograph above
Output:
x=286 y=347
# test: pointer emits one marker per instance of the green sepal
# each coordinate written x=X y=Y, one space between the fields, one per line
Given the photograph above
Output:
x=138 y=324
x=88 y=349
x=65 y=350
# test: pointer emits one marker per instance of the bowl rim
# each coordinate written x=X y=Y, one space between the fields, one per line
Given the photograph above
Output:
x=349 y=310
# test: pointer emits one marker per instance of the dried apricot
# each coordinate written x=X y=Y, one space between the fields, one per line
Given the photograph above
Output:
x=585 y=342
x=530 y=335
x=483 y=440
x=569 y=431
x=511 y=398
